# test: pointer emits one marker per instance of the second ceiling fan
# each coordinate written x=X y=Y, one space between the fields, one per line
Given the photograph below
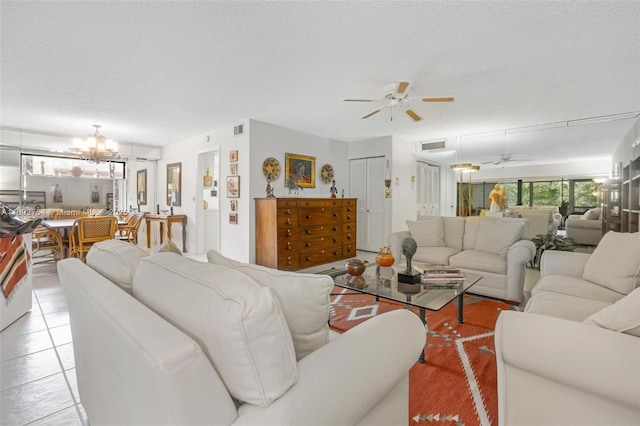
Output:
x=397 y=94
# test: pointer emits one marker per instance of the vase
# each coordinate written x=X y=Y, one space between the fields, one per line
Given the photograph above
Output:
x=355 y=267
x=384 y=257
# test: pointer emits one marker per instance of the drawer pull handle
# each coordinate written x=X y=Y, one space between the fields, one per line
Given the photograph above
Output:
x=335 y=240
x=289 y=262
x=288 y=211
x=308 y=244
x=335 y=215
x=349 y=217
x=308 y=231
x=308 y=216
x=334 y=229
x=349 y=237
x=308 y=258
x=288 y=221
x=289 y=233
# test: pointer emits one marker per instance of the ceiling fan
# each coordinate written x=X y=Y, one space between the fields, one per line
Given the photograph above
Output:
x=506 y=158
x=397 y=94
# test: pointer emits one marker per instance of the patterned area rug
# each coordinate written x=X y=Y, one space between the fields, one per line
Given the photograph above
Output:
x=457 y=384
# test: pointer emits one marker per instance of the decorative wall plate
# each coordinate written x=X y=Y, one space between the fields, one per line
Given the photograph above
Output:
x=271 y=166
x=326 y=174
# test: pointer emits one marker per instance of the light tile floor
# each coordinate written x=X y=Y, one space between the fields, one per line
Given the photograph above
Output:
x=37 y=369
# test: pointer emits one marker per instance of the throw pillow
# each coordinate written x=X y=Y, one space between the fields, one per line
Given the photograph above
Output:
x=241 y=327
x=116 y=260
x=428 y=232
x=496 y=236
x=591 y=214
x=169 y=247
x=615 y=262
x=622 y=316
x=304 y=299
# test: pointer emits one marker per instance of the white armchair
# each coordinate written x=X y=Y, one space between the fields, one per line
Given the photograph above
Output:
x=585 y=229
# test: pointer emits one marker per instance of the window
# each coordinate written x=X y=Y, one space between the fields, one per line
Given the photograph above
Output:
x=585 y=194
x=547 y=193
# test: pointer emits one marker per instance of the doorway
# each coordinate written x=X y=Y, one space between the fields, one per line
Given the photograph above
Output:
x=367 y=185
x=208 y=202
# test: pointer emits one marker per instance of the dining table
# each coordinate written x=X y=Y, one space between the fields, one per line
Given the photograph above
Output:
x=63 y=226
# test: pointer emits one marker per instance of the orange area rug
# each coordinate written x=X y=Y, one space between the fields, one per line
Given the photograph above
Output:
x=457 y=383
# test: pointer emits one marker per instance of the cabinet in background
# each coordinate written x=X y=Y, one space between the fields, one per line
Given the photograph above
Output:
x=297 y=233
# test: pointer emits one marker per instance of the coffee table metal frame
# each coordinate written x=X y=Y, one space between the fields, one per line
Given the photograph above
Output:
x=383 y=284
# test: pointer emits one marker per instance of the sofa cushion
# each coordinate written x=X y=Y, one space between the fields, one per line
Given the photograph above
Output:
x=472 y=226
x=497 y=236
x=574 y=286
x=480 y=261
x=623 y=316
x=428 y=232
x=304 y=299
x=453 y=231
x=434 y=255
x=615 y=262
x=563 y=306
x=591 y=214
x=241 y=327
x=116 y=260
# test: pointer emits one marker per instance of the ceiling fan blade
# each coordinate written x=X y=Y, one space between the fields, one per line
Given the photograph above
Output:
x=358 y=100
x=414 y=116
x=437 y=99
x=370 y=114
x=402 y=87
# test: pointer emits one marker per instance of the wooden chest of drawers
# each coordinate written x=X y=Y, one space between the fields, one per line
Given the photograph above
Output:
x=297 y=233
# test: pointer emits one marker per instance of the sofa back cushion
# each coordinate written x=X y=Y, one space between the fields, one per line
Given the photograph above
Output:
x=622 y=316
x=472 y=226
x=428 y=231
x=497 y=236
x=453 y=232
x=116 y=260
x=592 y=214
x=304 y=299
x=615 y=262
x=238 y=322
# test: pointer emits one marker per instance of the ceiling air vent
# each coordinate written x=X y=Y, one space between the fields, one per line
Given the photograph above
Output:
x=238 y=130
x=433 y=145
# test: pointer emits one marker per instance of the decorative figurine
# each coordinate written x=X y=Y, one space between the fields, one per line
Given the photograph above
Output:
x=269 y=188
x=409 y=247
x=333 y=189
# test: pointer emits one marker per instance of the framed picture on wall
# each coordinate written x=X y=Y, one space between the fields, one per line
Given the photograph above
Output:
x=233 y=186
x=233 y=168
x=233 y=218
x=233 y=156
x=174 y=184
x=301 y=169
x=95 y=194
x=141 y=188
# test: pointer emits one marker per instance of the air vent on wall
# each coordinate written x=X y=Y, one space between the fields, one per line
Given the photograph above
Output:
x=433 y=145
x=238 y=130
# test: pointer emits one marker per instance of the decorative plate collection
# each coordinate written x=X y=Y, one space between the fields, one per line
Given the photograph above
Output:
x=326 y=174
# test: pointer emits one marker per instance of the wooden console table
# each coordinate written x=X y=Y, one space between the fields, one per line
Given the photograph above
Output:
x=169 y=220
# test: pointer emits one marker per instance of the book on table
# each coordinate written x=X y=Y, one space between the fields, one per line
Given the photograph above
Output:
x=440 y=276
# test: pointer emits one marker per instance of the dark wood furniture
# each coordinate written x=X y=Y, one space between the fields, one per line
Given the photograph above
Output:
x=169 y=220
x=297 y=233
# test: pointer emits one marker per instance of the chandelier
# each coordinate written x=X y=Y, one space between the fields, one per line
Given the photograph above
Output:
x=95 y=148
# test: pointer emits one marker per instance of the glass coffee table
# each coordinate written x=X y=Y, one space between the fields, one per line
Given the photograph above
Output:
x=382 y=283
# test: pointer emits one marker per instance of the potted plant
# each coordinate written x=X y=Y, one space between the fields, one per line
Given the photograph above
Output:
x=563 y=209
x=550 y=242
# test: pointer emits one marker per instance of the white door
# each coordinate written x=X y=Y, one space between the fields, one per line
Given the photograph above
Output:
x=428 y=190
x=367 y=185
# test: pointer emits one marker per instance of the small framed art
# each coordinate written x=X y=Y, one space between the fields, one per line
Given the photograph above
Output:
x=233 y=218
x=233 y=155
x=233 y=168
x=233 y=186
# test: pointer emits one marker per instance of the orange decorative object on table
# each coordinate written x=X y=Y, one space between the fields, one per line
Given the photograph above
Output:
x=384 y=257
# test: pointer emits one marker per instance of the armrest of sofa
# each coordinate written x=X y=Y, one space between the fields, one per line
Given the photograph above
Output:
x=395 y=241
x=548 y=367
x=555 y=262
x=341 y=382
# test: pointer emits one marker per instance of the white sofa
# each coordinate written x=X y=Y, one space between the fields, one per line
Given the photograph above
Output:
x=542 y=220
x=573 y=356
x=585 y=229
x=496 y=248
x=197 y=343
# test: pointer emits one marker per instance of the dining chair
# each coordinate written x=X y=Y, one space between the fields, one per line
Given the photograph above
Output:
x=89 y=230
x=46 y=239
x=129 y=232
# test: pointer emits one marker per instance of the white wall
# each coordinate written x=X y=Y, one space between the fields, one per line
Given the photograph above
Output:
x=625 y=151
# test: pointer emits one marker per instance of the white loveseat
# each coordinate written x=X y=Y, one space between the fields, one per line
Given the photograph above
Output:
x=585 y=229
x=196 y=343
x=542 y=220
x=573 y=356
x=496 y=248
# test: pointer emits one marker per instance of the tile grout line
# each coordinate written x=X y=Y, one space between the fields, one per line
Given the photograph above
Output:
x=64 y=373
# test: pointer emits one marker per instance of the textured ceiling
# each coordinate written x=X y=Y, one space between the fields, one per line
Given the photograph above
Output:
x=161 y=72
